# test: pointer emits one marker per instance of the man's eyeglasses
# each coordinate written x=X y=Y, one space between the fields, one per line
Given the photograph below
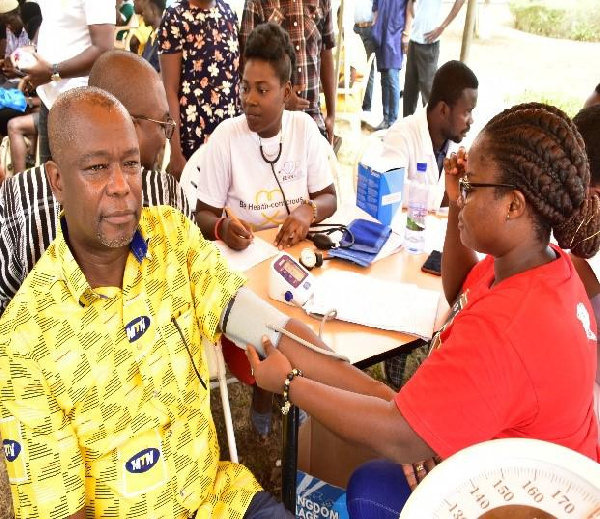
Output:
x=168 y=126
x=465 y=187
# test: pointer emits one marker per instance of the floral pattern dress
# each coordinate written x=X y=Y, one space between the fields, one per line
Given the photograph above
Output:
x=208 y=42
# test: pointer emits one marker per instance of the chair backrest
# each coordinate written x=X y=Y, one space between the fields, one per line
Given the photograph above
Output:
x=217 y=372
x=335 y=172
x=190 y=176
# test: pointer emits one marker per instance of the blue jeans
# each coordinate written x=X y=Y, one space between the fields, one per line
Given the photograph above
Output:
x=390 y=94
x=370 y=46
x=377 y=490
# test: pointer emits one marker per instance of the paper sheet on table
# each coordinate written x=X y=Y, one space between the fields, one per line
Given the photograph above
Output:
x=361 y=299
x=241 y=260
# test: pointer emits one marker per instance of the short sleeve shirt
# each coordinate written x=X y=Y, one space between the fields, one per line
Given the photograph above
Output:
x=310 y=26
x=71 y=20
x=207 y=40
x=101 y=403
x=233 y=174
x=517 y=360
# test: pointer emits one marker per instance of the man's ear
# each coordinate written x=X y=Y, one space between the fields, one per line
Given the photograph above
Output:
x=55 y=179
x=443 y=109
x=287 y=91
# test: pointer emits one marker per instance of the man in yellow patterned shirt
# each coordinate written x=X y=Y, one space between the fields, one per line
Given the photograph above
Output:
x=105 y=408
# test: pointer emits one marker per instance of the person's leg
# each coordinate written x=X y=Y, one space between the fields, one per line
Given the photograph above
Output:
x=393 y=95
x=18 y=129
x=429 y=65
x=411 y=83
x=385 y=95
x=45 y=155
x=265 y=506
x=369 y=44
x=377 y=490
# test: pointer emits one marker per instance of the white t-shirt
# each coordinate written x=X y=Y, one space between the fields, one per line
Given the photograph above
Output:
x=233 y=174
x=64 y=33
x=427 y=17
x=408 y=142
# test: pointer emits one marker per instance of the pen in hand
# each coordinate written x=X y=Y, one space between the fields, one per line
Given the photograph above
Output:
x=238 y=227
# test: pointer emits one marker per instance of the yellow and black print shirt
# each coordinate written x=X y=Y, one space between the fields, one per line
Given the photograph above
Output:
x=101 y=406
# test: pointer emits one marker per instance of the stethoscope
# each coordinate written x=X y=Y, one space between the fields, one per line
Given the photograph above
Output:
x=320 y=238
x=272 y=164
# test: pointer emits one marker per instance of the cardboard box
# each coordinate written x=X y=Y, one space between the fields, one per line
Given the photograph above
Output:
x=316 y=499
x=327 y=457
x=379 y=193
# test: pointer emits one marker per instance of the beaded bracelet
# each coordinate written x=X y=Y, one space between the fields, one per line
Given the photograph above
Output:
x=313 y=204
x=285 y=408
x=216 y=229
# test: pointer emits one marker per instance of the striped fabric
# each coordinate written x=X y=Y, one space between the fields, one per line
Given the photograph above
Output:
x=29 y=216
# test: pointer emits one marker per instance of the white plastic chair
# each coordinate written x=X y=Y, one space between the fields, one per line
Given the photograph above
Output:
x=190 y=177
x=335 y=173
x=218 y=378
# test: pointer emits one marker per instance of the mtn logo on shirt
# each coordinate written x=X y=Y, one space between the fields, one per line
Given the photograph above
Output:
x=136 y=328
x=143 y=461
x=12 y=449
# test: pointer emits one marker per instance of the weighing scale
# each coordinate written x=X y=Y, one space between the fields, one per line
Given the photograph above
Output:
x=512 y=478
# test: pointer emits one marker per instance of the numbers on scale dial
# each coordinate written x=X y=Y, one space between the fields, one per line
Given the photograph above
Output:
x=531 y=492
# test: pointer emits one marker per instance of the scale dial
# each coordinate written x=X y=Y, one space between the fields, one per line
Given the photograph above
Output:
x=513 y=478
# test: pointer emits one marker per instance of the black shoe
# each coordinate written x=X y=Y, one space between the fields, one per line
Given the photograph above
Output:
x=383 y=125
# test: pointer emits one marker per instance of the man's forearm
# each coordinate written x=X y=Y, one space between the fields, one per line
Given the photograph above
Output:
x=81 y=64
x=453 y=12
x=327 y=80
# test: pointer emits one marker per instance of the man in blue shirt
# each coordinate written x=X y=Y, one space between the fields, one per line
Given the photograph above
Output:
x=389 y=20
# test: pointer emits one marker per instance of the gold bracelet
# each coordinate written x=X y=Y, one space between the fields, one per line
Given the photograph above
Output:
x=404 y=33
x=285 y=408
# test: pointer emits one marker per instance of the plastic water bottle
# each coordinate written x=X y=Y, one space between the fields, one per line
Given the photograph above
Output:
x=414 y=236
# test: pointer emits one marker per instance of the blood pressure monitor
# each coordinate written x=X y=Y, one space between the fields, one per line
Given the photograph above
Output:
x=511 y=478
x=289 y=281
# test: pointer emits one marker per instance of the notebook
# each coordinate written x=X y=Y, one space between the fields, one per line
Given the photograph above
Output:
x=241 y=260
x=360 y=299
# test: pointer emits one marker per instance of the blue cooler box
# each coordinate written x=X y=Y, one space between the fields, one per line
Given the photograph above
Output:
x=380 y=193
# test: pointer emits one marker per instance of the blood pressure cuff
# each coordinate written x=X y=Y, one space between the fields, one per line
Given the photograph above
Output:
x=369 y=237
x=246 y=320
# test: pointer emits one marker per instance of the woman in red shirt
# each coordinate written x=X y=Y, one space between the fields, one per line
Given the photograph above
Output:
x=518 y=357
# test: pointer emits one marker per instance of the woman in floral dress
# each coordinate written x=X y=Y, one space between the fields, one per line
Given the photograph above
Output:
x=199 y=60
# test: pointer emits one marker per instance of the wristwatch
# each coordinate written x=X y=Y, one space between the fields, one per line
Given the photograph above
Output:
x=55 y=76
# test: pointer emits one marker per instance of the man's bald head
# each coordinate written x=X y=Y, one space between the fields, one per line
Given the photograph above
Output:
x=67 y=112
x=126 y=76
x=134 y=82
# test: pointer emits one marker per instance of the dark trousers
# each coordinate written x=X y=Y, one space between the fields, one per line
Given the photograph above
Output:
x=264 y=506
x=421 y=66
x=377 y=490
x=43 y=144
x=370 y=46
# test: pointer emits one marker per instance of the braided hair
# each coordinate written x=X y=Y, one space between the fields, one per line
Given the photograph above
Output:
x=270 y=42
x=539 y=150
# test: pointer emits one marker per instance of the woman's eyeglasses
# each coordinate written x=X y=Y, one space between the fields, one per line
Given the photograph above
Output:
x=465 y=187
x=168 y=126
